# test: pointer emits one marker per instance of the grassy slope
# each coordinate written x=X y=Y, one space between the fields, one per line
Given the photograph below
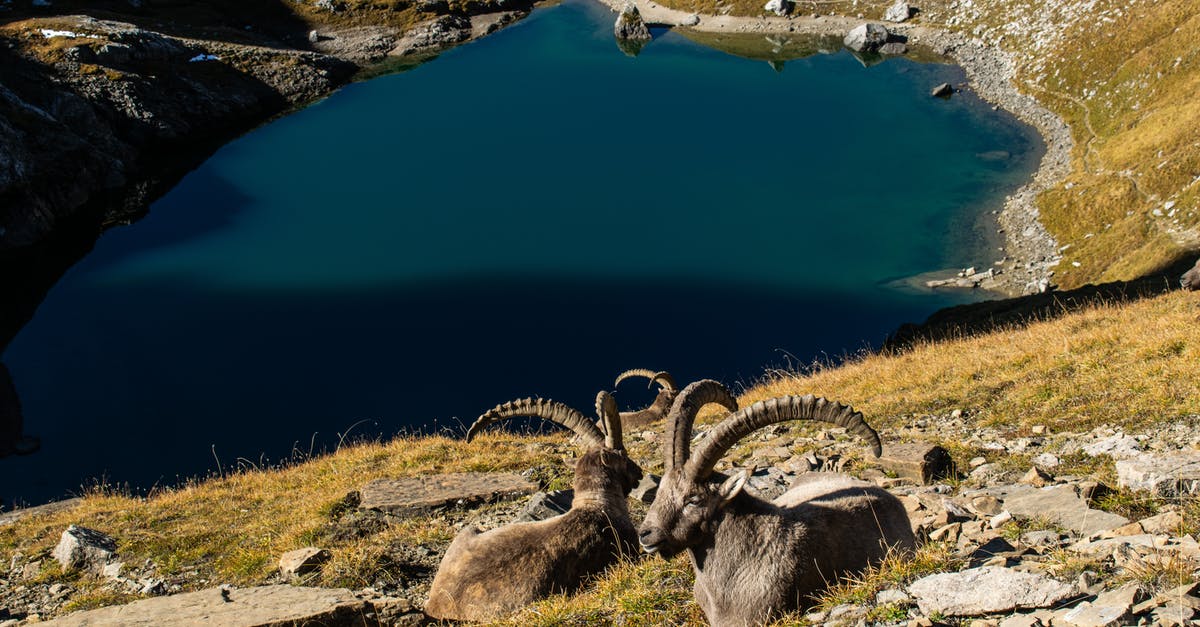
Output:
x=1126 y=78
x=1130 y=96
x=1131 y=365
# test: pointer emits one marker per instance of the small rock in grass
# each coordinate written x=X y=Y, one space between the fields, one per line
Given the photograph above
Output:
x=303 y=561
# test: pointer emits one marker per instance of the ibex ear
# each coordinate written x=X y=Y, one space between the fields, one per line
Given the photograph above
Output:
x=733 y=486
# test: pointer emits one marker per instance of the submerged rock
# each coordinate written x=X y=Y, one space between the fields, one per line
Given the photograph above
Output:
x=894 y=47
x=866 y=37
x=629 y=24
x=942 y=91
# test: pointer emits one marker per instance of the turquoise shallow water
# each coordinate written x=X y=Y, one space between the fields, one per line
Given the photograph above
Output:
x=528 y=214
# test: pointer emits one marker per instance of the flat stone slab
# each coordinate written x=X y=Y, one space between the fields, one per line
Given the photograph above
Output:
x=413 y=496
x=987 y=590
x=8 y=518
x=1164 y=475
x=1062 y=505
x=263 y=606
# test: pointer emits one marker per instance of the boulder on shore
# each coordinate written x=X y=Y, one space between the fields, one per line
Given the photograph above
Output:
x=866 y=38
x=629 y=24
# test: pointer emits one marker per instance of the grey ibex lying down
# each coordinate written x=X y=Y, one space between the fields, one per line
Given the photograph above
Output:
x=485 y=575
x=662 y=403
x=754 y=559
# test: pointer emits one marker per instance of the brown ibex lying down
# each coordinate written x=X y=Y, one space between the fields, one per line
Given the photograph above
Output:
x=754 y=559
x=485 y=575
x=662 y=403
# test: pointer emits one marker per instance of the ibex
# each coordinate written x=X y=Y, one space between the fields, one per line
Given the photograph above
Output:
x=485 y=575
x=754 y=559
x=662 y=403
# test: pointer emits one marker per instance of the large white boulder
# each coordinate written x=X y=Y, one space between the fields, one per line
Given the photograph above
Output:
x=866 y=37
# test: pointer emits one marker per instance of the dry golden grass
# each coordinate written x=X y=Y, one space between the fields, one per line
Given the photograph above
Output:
x=637 y=592
x=233 y=529
x=1131 y=365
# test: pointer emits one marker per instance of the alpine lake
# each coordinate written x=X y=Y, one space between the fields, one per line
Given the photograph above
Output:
x=528 y=214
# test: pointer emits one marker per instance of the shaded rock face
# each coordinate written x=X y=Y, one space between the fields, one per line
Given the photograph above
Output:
x=77 y=119
x=629 y=25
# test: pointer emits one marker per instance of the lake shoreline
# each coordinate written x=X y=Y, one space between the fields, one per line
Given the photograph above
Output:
x=1030 y=252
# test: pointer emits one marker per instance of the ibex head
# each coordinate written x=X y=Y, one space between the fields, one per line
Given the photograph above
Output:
x=604 y=464
x=690 y=496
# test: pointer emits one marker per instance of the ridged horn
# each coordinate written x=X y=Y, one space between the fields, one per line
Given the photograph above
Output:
x=748 y=420
x=683 y=413
x=644 y=373
x=545 y=409
x=664 y=380
x=610 y=420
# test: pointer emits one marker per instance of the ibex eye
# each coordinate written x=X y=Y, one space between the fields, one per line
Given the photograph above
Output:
x=695 y=500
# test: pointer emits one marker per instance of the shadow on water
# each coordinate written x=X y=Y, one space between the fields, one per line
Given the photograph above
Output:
x=193 y=217
x=277 y=368
x=13 y=440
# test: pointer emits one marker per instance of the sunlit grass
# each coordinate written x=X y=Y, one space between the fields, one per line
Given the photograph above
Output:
x=233 y=529
x=1130 y=365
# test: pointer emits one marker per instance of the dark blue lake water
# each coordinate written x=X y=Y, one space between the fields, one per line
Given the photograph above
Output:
x=528 y=214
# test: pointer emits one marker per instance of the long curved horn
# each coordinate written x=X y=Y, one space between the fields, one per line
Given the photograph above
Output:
x=610 y=420
x=742 y=423
x=664 y=380
x=683 y=413
x=644 y=373
x=545 y=409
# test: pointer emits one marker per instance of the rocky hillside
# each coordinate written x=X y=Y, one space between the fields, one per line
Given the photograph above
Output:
x=102 y=96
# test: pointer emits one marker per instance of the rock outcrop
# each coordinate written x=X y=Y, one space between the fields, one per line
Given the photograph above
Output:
x=91 y=104
x=629 y=24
